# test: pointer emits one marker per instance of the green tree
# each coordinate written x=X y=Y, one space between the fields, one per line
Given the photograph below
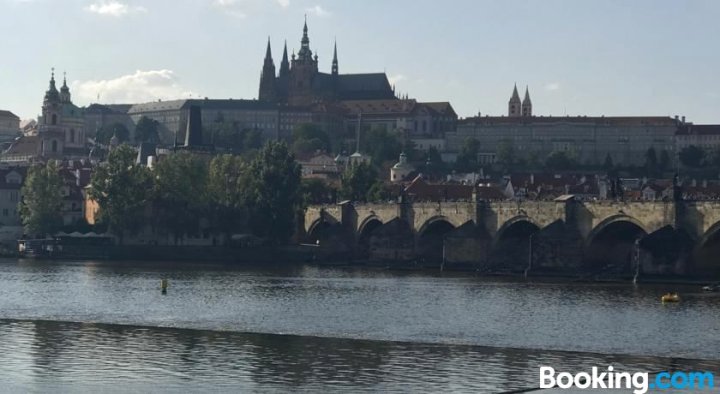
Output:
x=40 y=209
x=506 y=153
x=692 y=156
x=122 y=189
x=308 y=137
x=357 y=181
x=467 y=159
x=229 y=184
x=381 y=145
x=275 y=198
x=559 y=161
x=147 y=130
x=317 y=191
x=181 y=185
x=117 y=129
x=379 y=192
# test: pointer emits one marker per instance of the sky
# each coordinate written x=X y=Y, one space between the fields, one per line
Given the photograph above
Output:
x=578 y=57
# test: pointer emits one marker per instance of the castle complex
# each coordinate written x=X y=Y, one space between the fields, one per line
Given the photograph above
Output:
x=299 y=81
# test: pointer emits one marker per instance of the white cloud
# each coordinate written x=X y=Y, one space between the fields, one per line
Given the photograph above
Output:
x=284 y=3
x=318 y=11
x=113 y=8
x=230 y=7
x=142 y=86
x=394 y=79
x=552 y=86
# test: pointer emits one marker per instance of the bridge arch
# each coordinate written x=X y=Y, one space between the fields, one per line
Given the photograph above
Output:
x=706 y=251
x=511 y=244
x=432 y=222
x=609 y=221
x=520 y=222
x=612 y=246
x=370 y=221
x=365 y=231
x=431 y=239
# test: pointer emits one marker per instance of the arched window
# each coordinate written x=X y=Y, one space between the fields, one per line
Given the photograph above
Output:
x=54 y=146
x=54 y=119
x=72 y=135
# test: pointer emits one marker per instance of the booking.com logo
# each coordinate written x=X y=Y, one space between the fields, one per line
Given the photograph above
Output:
x=639 y=381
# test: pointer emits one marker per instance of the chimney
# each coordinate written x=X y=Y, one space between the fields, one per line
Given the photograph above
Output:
x=193 y=134
x=683 y=119
x=677 y=118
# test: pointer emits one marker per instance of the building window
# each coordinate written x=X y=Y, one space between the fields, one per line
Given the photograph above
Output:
x=54 y=119
x=72 y=135
x=54 y=146
x=5 y=212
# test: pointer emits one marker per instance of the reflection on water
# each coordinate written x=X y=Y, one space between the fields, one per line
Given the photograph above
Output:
x=327 y=329
x=50 y=356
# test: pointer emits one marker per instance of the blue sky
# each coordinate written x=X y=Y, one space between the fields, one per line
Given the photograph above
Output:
x=611 y=57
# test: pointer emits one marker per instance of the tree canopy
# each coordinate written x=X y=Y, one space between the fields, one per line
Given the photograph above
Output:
x=41 y=206
x=357 y=180
x=692 y=156
x=147 y=130
x=117 y=129
x=122 y=189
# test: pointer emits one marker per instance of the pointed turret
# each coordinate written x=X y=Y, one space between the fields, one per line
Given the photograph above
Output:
x=65 y=91
x=514 y=104
x=268 y=55
x=52 y=93
x=526 y=103
x=267 y=77
x=284 y=64
x=335 y=60
x=305 y=54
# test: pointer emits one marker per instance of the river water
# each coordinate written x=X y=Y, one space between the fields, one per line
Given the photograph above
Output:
x=106 y=326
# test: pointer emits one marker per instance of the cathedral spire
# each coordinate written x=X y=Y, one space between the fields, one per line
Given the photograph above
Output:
x=335 y=60
x=515 y=95
x=267 y=77
x=514 y=106
x=268 y=52
x=526 y=103
x=284 y=64
x=305 y=54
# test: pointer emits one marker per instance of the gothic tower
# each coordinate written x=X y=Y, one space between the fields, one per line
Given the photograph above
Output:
x=283 y=79
x=268 y=90
x=526 y=104
x=303 y=71
x=514 y=104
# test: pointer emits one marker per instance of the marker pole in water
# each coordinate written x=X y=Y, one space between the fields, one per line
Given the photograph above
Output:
x=164 y=286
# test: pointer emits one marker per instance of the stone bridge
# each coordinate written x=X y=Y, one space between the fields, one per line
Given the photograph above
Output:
x=519 y=235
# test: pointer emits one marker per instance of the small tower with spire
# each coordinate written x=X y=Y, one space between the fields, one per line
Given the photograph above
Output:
x=65 y=91
x=267 y=77
x=514 y=106
x=526 y=104
x=335 y=60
